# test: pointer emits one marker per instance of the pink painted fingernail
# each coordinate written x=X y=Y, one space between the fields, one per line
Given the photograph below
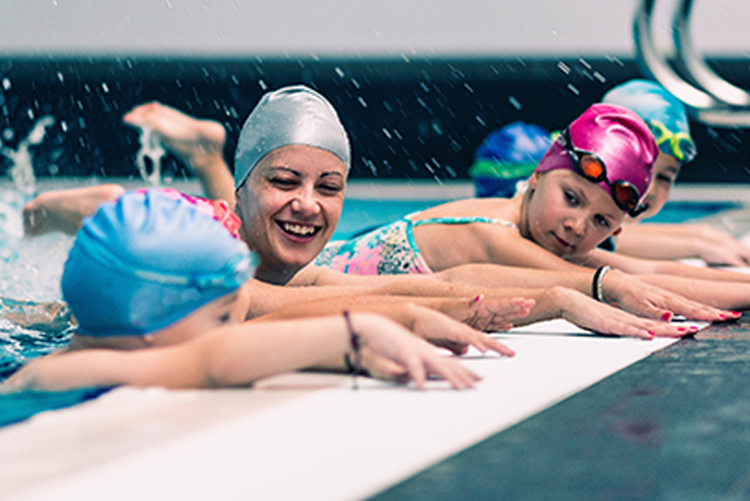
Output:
x=651 y=334
x=476 y=299
x=681 y=329
x=736 y=313
x=666 y=317
x=722 y=316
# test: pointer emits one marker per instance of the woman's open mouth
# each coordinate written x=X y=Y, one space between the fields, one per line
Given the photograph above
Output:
x=299 y=232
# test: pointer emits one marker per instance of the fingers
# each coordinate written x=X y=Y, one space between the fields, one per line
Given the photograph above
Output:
x=458 y=375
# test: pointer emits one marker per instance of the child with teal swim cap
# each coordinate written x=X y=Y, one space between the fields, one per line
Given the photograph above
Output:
x=156 y=270
x=668 y=121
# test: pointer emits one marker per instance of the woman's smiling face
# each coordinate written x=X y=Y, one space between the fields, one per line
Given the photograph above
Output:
x=290 y=206
x=568 y=215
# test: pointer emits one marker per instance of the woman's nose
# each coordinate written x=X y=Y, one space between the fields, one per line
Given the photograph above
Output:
x=305 y=203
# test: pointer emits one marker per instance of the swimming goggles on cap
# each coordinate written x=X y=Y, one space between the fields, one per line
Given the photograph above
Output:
x=681 y=144
x=592 y=168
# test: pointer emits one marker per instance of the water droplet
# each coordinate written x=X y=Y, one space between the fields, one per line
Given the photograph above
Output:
x=6 y=83
x=514 y=102
x=362 y=102
x=263 y=86
x=563 y=67
x=574 y=89
x=61 y=77
x=339 y=72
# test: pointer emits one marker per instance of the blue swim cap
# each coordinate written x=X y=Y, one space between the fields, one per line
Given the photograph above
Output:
x=146 y=261
x=664 y=114
x=506 y=156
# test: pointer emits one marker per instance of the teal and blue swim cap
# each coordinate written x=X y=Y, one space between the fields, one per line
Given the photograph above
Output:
x=146 y=261
x=664 y=114
x=506 y=156
x=287 y=116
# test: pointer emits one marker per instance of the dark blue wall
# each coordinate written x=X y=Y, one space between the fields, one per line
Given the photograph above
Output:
x=407 y=119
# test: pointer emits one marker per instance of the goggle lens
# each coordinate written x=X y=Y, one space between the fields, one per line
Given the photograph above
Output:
x=592 y=167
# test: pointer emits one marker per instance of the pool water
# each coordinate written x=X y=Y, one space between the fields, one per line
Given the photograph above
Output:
x=32 y=268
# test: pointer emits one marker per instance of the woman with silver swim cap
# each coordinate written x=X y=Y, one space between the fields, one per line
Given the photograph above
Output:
x=291 y=165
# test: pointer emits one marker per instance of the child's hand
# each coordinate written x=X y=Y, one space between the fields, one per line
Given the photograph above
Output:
x=488 y=314
x=444 y=331
x=590 y=314
x=390 y=351
x=640 y=298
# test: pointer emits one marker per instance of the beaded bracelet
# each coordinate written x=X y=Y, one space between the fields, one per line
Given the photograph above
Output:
x=355 y=368
x=596 y=283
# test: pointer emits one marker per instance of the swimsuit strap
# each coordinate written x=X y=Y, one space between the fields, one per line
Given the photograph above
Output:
x=462 y=220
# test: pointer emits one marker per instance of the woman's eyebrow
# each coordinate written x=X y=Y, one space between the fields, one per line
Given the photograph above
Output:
x=332 y=173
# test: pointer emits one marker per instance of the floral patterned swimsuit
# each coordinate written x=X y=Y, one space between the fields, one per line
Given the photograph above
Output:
x=388 y=250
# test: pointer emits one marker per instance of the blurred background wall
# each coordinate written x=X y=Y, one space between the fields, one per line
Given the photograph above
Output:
x=418 y=83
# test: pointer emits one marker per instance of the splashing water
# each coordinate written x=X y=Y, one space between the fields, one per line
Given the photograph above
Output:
x=152 y=150
x=21 y=170
x=30 y=268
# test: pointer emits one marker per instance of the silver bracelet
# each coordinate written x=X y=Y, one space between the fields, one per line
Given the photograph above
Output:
x=596 y=284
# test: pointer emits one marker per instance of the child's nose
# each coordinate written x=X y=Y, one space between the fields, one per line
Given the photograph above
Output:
x=577 y=225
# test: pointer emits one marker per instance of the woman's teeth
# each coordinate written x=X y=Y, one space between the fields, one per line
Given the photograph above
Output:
x=299 y=229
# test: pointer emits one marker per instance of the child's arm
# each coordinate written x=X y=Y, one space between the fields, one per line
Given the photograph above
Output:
x=551 y=303
x=679 y=241
x=239 y=355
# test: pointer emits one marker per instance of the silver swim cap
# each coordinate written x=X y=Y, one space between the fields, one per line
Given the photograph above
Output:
x=290 y=115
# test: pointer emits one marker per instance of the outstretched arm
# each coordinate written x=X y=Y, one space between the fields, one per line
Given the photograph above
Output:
x=239 y=355
x=684 y=240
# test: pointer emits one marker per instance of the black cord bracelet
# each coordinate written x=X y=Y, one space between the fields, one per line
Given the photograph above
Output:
x=355 y=341
x=596 y=283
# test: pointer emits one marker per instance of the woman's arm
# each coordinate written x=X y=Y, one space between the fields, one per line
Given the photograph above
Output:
x=442 y=321
x=239 y=355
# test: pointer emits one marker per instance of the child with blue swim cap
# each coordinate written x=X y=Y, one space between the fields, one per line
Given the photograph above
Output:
x=668 y=121
x=507 y=156
x=156 y=270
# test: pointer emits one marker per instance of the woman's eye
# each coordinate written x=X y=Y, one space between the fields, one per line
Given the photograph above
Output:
x=330 y=188
x=284 y=182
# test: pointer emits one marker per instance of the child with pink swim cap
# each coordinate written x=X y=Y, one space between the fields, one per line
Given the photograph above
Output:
x=563 y=212
x=597 y=171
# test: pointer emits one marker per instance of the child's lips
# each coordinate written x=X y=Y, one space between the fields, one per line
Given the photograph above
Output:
x=563 y=243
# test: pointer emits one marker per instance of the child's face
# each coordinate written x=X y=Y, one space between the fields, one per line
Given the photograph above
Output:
x=226 y=310
x=568 y=215
x=291 y=204
x=666 y=169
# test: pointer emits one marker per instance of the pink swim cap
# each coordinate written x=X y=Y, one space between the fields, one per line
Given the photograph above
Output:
x=618 y=136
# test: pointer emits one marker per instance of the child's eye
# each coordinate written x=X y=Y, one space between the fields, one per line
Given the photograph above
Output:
x=226 y=318
x=571 y=198
x=664 y=179
x=602 y=221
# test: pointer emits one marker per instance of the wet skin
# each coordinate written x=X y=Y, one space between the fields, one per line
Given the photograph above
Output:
x=568 y=215
x=290 y=206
